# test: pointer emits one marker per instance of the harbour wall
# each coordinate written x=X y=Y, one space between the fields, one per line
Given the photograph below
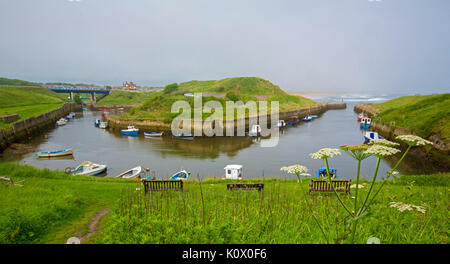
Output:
x=28 y=127
x=117 y=123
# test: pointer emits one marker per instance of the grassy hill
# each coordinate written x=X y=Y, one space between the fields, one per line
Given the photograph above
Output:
x=157 y=105
x=27 y=101
x=16 y=82
x=422 y=114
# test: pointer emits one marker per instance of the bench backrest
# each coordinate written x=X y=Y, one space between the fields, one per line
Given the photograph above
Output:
x=162 y=185
x=324 y=186
x=245 y=186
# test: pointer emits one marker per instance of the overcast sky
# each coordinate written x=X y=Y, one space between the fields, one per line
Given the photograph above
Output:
x=305 y=46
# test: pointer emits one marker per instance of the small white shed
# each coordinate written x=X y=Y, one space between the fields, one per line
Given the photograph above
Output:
x=233 y=172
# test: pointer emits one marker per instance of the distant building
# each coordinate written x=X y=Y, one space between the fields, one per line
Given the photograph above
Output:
x=130 y=86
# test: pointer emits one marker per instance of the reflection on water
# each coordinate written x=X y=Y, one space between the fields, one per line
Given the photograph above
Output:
x=203 y=156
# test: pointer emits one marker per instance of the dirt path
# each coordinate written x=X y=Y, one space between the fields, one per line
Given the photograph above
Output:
x=93 y=224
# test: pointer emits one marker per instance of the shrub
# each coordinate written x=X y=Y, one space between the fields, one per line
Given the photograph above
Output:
x=170 y=88
x=232 y=96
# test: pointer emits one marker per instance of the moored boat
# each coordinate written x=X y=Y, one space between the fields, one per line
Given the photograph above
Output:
x=183 y=136
x=97 y=122
x=365 y=122
x=369 y=136
x=131 y=173
x=307 y=118
x=255 y=131
x=103 y=125
x=322 y=173
x=87 y=168
x=130 y=131
x=181 y=175
x=61 y=122
x=293 y=121
x=281 y=124
x=56 y=153
x=153 y=134
x=314 y=116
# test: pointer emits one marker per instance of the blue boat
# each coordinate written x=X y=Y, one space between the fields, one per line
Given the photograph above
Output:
x=307 y=118
x=322 y=173
x=181 y=175
x=293 y=121
x=365 y=123
x=130 y=131
x=97 y=123
x=184 y=136
x=369 y=136
x=153 y=134
x=314 y=116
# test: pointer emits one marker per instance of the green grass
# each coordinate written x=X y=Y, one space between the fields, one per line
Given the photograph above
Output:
x=53 y=206
x=424 y=115
x=16 y=82
x=27 y=102
x=125 y=97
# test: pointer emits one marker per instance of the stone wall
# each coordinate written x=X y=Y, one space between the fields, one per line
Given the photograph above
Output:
x=28 y=126
x=116 y=122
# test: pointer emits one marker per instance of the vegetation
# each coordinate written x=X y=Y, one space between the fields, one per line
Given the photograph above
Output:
x=27 y=102
x=16 y=82
x=125 y=98
x=170 y=88
x=424 y=115
x=53 y=206
x=158 y=105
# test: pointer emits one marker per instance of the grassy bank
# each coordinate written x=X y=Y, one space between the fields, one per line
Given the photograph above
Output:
x=52 y=206
x=424 y=115
x=27 y=102
x=156 y=106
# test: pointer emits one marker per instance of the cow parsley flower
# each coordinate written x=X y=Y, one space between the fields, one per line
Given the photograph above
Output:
x=354 y=186
x=294 y=169
x=403 y=207
x=382 y=151
x=325 y=153
x=413 y=140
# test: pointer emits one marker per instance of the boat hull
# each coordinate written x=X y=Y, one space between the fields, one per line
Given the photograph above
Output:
x=46 y=154
x=153 y=134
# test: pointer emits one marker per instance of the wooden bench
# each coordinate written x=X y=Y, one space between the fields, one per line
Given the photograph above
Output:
x=162 y=185
x=324 y=186
x=245 y=186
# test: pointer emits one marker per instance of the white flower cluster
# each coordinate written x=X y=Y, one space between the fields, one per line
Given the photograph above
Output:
x=393 y=172
x=354 y=186
x=325 y=153
x=294 y=169
x=384 y=142
x=403 y=207
x=382 y=151
x=414 y=140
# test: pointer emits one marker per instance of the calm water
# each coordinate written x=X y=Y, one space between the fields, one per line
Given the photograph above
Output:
x=206 y=156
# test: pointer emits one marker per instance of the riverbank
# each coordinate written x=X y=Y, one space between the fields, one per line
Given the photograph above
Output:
x=117 y=122
x=52 y=206
x=426 y=116
x=28 y=127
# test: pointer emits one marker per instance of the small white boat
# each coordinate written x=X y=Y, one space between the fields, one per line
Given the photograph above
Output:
x=87 y=168
x=57 y=153
x=369 y=136
x=71 y=115
x=153 y=134
x=131 y=173
x=281 y=124
x=255 y=131
x=103 y=125
x=61 y=122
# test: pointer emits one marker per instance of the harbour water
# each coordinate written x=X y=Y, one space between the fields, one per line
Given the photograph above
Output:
x=208 y=156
